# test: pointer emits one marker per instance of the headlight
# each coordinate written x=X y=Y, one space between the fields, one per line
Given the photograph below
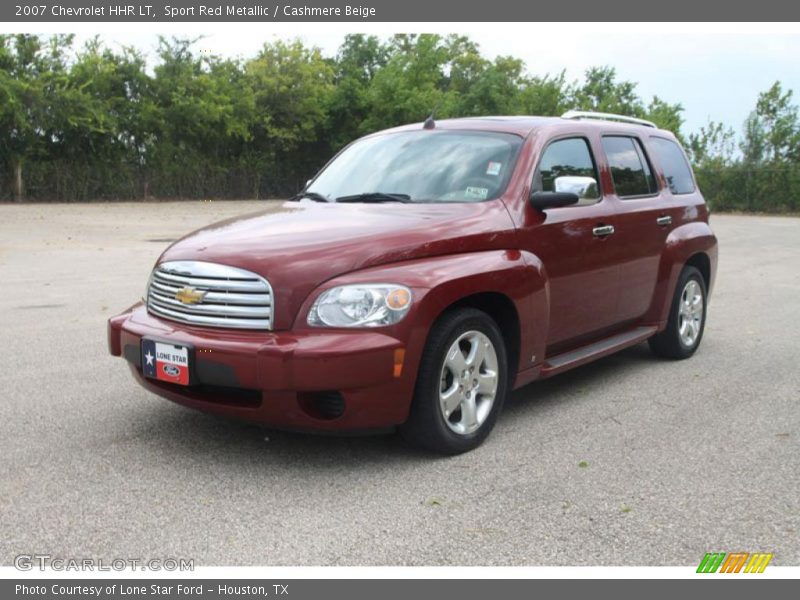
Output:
x=360 y=305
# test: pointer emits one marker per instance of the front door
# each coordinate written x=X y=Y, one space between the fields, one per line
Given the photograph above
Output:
x=576 y=245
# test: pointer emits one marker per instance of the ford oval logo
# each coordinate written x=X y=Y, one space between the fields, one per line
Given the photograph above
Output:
x=171 y=370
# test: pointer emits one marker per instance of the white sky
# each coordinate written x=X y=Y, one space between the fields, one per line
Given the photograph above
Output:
x=714 y=70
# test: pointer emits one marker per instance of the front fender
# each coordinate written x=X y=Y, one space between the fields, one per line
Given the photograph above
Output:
x=682 y=243
x=442 y=281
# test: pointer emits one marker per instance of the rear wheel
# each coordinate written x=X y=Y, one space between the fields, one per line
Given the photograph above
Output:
x=687 y=318
x=461 y=385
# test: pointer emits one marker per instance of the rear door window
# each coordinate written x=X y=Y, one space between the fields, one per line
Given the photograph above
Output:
x=630 y=170
x=672 y=161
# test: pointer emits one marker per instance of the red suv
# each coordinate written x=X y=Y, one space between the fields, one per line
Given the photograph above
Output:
x=425 y=272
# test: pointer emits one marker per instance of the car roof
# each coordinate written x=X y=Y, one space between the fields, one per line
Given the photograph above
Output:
x=525 y=125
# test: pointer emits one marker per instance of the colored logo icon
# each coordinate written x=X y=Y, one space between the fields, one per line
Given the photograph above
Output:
x=734 y=562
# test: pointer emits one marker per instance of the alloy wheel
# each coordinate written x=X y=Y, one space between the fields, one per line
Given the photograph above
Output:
x=468 y=382
x=690 y=313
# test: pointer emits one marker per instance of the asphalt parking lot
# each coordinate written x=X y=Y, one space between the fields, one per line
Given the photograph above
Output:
x=628 y=461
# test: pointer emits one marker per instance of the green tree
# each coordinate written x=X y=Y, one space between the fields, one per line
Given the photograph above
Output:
x=771 y=153
x=772 y=131
x=292 y=90
x=202 y=116
x=548 y=96
x=714 y=145
x=412 y=84
x=96 y=123
x=601 y=92
x=31 y=77
x=494 y=90
x=479 y=86
x=665 y=115
x=754 y=142
x=359 y=58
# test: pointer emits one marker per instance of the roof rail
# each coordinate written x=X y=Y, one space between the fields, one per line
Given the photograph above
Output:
x=585 y=114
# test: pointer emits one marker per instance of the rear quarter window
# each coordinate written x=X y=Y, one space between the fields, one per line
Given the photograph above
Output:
x=673 y=163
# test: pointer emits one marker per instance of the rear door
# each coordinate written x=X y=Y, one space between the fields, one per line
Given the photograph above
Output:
x=643 y=223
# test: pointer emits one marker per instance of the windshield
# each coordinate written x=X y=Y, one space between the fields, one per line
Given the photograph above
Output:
x=421 y=166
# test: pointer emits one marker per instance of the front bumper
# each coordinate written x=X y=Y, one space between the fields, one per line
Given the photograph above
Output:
x=278 y=378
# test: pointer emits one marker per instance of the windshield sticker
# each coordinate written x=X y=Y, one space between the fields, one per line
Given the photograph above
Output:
x=476 y=192
x=494 y=168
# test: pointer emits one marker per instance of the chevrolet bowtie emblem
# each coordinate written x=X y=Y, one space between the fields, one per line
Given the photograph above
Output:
x=189 y=295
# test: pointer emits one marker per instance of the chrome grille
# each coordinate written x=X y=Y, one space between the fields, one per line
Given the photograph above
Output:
x=219 y=295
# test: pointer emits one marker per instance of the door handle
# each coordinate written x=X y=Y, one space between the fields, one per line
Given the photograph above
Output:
x=602 y=231
x=663 y=221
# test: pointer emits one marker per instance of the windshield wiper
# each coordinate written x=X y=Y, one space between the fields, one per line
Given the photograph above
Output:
x=375 y=197
x=311 y=196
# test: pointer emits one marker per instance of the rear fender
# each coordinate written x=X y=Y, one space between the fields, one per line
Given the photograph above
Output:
x=682 y=243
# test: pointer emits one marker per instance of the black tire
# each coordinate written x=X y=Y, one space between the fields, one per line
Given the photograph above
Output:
x=669 y=343
x=426 y=427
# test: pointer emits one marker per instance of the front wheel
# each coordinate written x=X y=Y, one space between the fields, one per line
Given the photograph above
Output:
x=687 y=318
x=461 y=385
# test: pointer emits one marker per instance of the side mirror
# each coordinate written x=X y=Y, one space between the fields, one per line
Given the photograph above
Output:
x=545 y=200
x=585 y=187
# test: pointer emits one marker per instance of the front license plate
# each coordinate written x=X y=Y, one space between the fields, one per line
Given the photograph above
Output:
x=165 y=362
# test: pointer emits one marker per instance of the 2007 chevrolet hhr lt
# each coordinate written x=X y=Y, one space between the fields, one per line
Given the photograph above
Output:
x=425 y=272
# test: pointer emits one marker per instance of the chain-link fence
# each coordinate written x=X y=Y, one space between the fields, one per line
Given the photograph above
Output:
x=189 y=177
x=751 y=189
x=733 y=188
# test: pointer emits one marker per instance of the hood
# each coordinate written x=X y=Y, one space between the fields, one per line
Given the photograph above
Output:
x=300 y=245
